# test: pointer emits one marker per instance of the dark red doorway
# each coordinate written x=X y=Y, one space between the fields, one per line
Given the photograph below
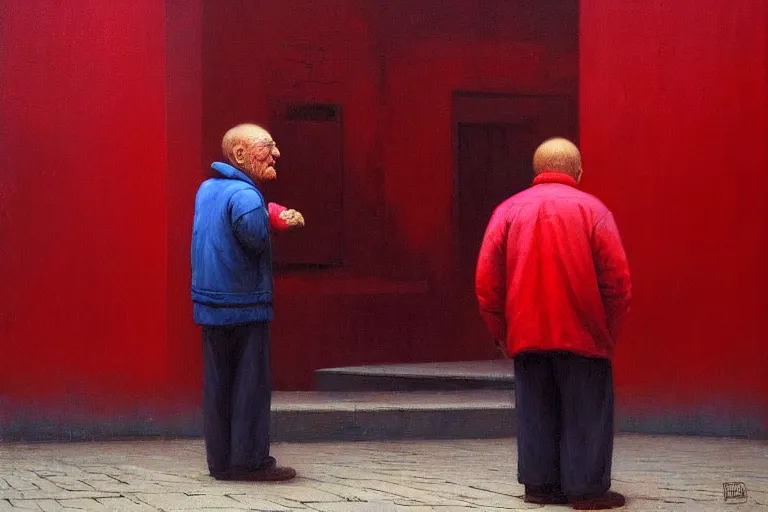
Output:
x=495 y=137
x=494 y=163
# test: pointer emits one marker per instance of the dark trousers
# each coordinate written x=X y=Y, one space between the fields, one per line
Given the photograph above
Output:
x=237 y=393
x=564 y=405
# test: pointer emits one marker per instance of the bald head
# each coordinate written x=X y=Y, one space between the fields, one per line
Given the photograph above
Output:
x=250 y=148
x=558 y=155
x=242 y=134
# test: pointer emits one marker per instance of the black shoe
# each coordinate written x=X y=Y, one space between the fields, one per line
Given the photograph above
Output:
x=603 y=502
x=220 y=475
x=268 y=463
x=546 y=495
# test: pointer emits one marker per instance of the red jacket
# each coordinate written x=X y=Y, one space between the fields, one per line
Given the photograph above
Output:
x=552 y=273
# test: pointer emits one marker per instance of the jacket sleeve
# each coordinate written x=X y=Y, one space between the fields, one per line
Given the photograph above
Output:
x=612 y=273
x=250 y=222
x=275 y=222
x=490 y=278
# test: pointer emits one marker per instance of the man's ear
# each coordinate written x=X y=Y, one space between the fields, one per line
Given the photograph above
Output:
x=239 y=154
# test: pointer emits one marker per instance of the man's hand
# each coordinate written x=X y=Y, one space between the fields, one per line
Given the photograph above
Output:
x=292 y=218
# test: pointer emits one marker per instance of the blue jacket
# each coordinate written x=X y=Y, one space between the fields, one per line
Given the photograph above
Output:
x=231 y=252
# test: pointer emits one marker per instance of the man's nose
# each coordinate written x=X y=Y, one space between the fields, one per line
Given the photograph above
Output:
x=275 y=152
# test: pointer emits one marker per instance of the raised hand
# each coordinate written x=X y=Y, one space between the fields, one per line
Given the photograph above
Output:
x=292 y=218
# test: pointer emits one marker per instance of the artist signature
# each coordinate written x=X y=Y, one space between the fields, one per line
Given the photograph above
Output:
x=734 y=492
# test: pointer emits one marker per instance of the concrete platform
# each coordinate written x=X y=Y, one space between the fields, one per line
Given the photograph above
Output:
x=367 y=416
x=444 y=400
x=464 y=375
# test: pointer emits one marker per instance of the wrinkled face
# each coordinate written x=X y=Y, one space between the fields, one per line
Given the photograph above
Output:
x=257 y=157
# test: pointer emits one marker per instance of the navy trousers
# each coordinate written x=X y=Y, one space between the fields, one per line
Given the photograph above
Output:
x=237 y=394
x=564 y=405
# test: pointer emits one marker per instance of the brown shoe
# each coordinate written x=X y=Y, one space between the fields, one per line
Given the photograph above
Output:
x=267 y=474
x=604 y=502
x=544 y=496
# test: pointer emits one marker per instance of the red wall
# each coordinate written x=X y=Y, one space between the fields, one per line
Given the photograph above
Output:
x=112 y=111
x=84 y=222
x=392 y=67
x=184 y=95
x=674 y=129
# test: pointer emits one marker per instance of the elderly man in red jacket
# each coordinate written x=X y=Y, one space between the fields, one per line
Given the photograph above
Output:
x=554 y=289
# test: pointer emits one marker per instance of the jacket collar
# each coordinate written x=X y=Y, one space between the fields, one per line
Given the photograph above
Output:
x=231 y=172
x=555 y=177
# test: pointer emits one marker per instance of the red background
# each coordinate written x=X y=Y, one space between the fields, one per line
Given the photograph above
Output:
x=112 y=111
x=674 y=130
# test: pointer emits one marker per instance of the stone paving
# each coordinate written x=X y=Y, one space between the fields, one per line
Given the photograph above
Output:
x=656 y=473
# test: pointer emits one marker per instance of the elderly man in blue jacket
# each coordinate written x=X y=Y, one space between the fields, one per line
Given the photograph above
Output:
x=232 y=298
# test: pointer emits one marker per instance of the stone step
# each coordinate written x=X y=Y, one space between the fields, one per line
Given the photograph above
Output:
x=463 y=375
x=358 y=416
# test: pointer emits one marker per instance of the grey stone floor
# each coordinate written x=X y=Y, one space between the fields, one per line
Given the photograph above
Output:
x=656 y=473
